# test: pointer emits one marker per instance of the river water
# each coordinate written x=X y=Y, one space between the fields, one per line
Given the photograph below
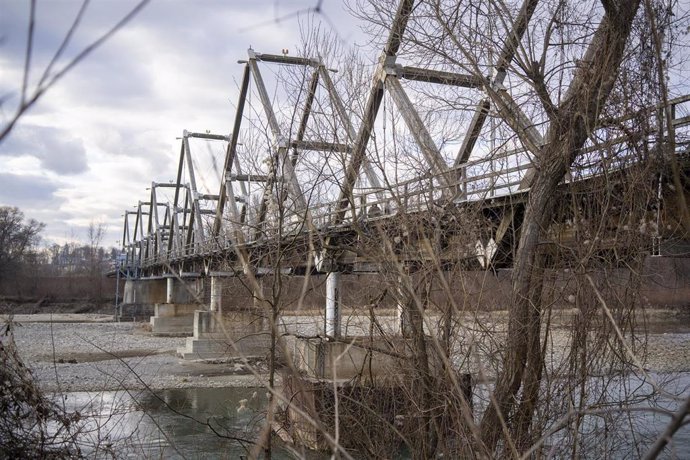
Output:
x=200 y=423
x=196 y=423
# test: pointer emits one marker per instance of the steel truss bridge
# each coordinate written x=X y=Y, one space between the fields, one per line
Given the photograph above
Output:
x=181 y=228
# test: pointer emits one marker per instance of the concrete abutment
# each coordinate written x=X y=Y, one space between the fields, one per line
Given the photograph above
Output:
x=184 y=294
x=227 y=334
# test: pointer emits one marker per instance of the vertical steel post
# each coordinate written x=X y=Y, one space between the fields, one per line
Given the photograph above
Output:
x=216 y=293
x=333 y=301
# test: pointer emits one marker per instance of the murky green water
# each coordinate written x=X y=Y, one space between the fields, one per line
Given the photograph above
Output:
x=194 y=423
x=220 y=423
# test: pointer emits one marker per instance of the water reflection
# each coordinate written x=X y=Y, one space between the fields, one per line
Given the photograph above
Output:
x=219 y=423
x=175 y=423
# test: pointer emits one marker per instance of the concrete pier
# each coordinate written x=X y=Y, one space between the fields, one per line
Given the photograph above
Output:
x=364 y=375
x=352 y=357
x=140 y=296
x=183 y=296
x=227 y=334
x=173 y=319
x=144 y=291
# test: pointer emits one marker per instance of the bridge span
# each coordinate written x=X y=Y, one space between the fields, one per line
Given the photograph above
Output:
x=278 y=209
x=270 y=218
x=181 y=228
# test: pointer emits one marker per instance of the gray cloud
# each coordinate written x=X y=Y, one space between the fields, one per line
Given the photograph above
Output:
x=113 y=119
x=27 y=191
x=57 y=150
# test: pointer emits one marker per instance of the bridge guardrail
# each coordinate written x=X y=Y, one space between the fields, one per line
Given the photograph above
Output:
x=475 y=181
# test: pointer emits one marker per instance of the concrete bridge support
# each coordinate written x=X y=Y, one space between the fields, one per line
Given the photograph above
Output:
x=175 y=316
x=333 y=304
x=144 y=291
x=140 y=296
x=218 y=334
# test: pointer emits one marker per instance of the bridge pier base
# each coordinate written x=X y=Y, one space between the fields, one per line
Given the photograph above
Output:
x=140 y=297
x=183 y=297
x=363 y=373
x=227 y=334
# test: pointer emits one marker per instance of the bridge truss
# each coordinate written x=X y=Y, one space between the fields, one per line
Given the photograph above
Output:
x=271 y=188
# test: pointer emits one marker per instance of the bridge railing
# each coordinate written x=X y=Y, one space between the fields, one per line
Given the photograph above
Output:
x=500 y=175
x=503 y=173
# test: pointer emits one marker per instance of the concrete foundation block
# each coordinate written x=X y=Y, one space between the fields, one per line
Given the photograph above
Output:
x=233 y=334
x=144 y=291
x=173 y=319
x=354 y=356
x=367 y=411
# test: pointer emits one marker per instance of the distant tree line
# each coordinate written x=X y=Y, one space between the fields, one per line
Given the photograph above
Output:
x=22 y=257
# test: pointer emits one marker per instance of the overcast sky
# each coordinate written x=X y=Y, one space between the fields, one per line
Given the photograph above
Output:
x=93 y=143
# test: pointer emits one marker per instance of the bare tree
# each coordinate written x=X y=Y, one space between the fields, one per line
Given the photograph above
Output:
x=554 y=107
x=17 y=238
x=53 y=72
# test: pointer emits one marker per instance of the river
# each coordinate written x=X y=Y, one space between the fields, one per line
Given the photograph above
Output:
x=206 y=423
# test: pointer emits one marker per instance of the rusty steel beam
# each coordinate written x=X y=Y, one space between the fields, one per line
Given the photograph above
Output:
x=285 y=59
x=321 y=146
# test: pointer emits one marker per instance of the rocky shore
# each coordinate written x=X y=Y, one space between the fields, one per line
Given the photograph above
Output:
x=100 y=356
x=93 y=353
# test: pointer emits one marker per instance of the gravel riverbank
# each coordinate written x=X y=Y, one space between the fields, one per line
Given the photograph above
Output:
x=91 y=353
x=111 y=356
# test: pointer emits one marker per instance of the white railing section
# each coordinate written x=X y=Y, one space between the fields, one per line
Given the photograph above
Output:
x=475 y=181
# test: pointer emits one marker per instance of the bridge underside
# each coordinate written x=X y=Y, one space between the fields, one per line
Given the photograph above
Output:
x=466 y=235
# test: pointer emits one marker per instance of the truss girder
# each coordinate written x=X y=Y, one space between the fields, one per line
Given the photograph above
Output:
x=179 y=229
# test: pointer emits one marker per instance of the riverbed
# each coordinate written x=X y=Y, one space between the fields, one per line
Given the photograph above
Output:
x=139 y=399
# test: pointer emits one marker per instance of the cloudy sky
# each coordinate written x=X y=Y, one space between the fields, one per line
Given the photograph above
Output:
x=88 y=149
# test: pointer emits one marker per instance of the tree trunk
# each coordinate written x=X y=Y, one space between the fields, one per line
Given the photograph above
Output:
x=573 y=122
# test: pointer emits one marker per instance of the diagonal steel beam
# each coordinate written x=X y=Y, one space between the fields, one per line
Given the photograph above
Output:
x=199 y=228
x=518 y=121
x=281 y=163
x=506 y=56
x=191 y=216
x=421 y=135
x=236 y=220
x=476 y=125
x=176 y=198
x=351 y=133
x=371 y=109
x=154 y=221
x=306 y=113
x=231 y=152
